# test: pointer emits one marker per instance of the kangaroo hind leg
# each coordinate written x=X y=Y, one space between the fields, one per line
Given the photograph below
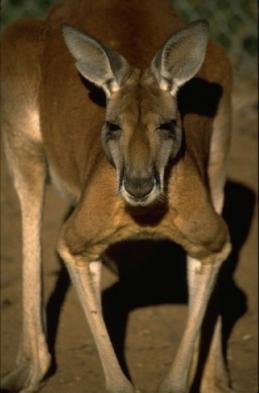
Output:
x=21 y=131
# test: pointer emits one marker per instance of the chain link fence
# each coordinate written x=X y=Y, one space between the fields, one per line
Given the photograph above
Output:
x=232 y=23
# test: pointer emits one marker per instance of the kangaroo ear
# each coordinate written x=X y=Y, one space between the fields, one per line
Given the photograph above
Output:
x=181 y=56
x=97 y=63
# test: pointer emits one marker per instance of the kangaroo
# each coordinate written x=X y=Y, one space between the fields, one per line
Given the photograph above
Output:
x=127 y=111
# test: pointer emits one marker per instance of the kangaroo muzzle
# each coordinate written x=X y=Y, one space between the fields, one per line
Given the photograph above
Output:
x=140 y=190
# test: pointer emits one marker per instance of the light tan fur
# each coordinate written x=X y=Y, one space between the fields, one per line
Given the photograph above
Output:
x=52 y=124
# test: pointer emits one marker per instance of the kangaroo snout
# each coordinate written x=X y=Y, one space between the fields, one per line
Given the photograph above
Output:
x=138 y=187
x=140 y=190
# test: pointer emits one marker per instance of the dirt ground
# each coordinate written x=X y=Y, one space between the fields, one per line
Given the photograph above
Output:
x=146 y=310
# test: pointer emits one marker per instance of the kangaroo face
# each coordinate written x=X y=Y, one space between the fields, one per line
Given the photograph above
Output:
x=141 y=134
x=142 y=130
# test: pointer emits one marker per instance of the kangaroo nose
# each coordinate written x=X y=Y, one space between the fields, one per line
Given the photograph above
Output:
x=139 y=187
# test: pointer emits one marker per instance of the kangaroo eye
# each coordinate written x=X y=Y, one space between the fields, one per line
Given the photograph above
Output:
x=168 y=128
x=113 y=130
x=112 y=126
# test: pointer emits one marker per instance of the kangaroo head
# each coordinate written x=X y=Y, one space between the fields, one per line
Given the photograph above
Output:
x=142 y=131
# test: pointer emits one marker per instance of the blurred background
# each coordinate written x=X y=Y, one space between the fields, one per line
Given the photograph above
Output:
x=232 y=23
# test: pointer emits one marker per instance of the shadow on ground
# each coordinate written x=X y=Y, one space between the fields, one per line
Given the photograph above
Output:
x=140 y=273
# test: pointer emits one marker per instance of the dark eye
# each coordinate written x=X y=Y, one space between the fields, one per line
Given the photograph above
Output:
x=113 y=130
x=112 y=126
x=169 y=128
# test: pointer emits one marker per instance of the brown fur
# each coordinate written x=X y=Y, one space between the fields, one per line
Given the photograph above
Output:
x=39 y=77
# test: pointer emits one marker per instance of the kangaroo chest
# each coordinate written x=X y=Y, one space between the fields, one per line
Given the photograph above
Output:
x=186 y=217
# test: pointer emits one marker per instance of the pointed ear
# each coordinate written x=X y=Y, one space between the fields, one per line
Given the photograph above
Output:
x=97 y=63
x=181 y=56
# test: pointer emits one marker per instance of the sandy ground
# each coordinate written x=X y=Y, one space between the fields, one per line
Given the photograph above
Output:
x=145 y=310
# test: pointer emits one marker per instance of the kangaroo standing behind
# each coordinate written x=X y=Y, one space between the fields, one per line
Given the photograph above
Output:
x=146 y=163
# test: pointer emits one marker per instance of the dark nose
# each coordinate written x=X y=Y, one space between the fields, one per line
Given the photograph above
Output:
x=139 y=187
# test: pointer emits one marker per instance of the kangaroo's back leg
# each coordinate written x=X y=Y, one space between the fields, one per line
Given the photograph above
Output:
x=22 y=43
x=215 y=376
